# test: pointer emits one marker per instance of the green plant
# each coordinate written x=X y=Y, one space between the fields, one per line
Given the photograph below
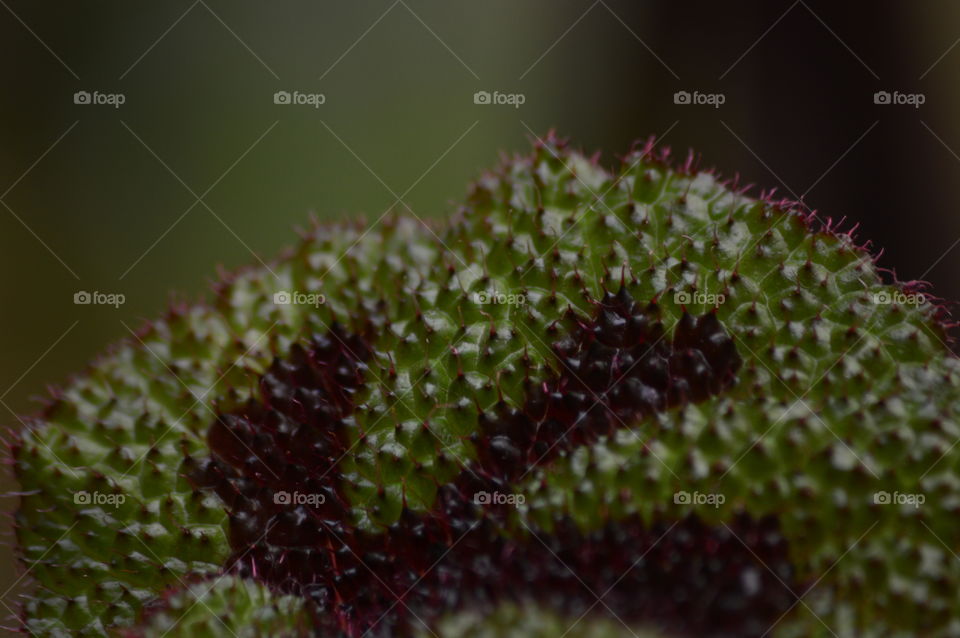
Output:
x=643 y=380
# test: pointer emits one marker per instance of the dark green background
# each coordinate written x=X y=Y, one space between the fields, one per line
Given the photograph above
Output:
x=799 y=112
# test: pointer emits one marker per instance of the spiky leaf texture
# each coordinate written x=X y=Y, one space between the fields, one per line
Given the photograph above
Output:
x=796 y=394
x=512 y=621
x=226 y=606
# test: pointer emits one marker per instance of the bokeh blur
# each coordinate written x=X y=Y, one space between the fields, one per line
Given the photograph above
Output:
x=145 y=144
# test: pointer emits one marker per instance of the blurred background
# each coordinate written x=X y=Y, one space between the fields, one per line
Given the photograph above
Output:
x=142 y=145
